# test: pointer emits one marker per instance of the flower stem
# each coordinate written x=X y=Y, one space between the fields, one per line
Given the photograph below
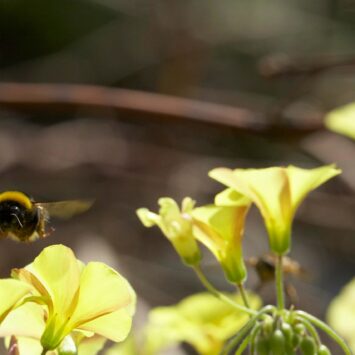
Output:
x=218 y=294
x=246 y=330
x=44 y=351
x=279 y=283
x=326 y=329
x=244 y=295
x=311 y=330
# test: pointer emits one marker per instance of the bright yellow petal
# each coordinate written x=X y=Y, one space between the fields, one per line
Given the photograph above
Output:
x=267 y=188
x=231 y=197
x=342 y=120
x=227 y=222
x=102 y=290
x=221 y=230
x=29 y=346
x=114 y=326
x=11 y=292
x=91 y=346
x=303 y=181
x=58 y=270
x=26 y=321
x=148 y=218
x=341 y=312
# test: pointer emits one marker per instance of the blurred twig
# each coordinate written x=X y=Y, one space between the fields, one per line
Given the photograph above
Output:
x=282 y=65
x=67 y=97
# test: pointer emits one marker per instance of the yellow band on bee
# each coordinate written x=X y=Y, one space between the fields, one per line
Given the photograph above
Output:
x=16 y=196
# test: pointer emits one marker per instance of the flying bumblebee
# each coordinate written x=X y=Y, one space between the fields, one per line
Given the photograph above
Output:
x=265 y=269
x=24 y=220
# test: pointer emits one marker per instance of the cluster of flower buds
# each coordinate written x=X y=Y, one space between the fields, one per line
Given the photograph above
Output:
x=287 y=335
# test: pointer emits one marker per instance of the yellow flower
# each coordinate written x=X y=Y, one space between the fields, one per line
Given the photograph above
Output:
x=341 y=313
x=176 y=225
x=11 y=294
x=201 y=320
x=221 y=229
x=342 y=120
x=277 y=192
x=94 y=299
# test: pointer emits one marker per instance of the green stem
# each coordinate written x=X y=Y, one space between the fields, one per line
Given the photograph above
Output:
x=253 y=336
x=326 y=329
x=243 y=345
x=218 y=294
x=279 y=283
x=310 y=329
x=44 y=351
x=245 y=330
x=244 y=295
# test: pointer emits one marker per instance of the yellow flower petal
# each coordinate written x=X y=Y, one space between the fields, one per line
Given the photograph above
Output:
x=230 y=197
x=341 y=313
x=11 y=292
x=114 y=326
x=25 y=321
x=176 y=225
x=265 y=187
x=201 y=320
x=277 y=192
x=91 y=346
x=221 y=230
x=58 y=271
x=29 y=346
x=102 y=290
x=303 y=181
x=342 y=120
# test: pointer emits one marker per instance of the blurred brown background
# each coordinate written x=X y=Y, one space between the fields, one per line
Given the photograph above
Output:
x=259 y=77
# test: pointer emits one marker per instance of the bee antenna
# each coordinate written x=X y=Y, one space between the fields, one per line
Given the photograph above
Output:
x=18 y=220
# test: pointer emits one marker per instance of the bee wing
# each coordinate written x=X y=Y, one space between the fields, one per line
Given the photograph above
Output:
x=65 y=209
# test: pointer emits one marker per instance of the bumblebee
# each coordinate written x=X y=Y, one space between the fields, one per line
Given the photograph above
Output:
x=24 y=220
x=265 y=269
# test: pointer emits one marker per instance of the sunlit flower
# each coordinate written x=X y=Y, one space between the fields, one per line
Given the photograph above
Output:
x=11 y=294
x=221 y=229
x=341 y=314
x=201 y=320
x=93 y=299
x=342 y=120
x=176 y=225
x=277 y=192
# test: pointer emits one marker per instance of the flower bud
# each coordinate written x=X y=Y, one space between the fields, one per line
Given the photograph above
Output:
x=308 y=346
x=287 y=331
x=262 y=345
x=323 y=350
x=277 y=343
x=300 y=329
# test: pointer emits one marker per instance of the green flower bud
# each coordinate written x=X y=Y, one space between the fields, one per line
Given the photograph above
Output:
x=308 y=346
x=262 y=345
x=287 y=331
x=323 y=350
x=300 y=329
x=268 y=325
x=278 y=343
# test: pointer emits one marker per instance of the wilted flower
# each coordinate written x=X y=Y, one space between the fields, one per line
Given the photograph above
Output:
x=277 y=192
x=221 y=229
x=176 y=225
x=93 y=299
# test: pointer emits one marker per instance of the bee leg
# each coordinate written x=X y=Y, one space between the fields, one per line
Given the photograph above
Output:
x=41 y=228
